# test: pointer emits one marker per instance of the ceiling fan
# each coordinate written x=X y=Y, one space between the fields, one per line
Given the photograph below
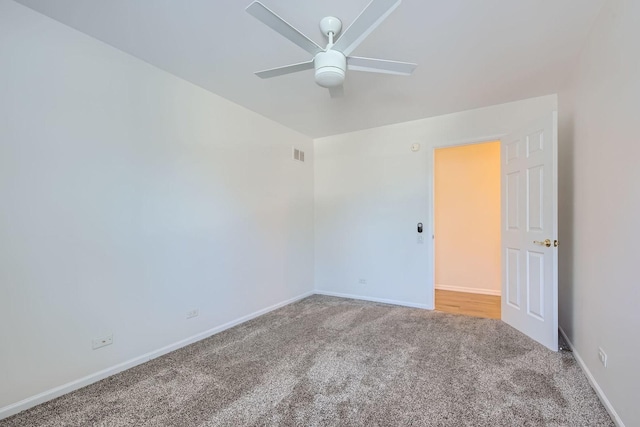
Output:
x=331 y=63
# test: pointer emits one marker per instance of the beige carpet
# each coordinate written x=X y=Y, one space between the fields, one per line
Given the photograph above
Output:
x=330 y=361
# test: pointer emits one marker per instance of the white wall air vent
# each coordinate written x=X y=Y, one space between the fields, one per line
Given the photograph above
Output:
x=298 y=154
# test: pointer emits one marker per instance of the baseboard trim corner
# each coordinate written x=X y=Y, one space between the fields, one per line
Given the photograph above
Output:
x=55 y=392
x=469 y=290
x=594 y=384
x=372 y=299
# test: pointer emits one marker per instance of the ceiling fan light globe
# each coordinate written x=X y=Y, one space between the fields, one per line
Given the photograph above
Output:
x=331 y=67
x=329 y=77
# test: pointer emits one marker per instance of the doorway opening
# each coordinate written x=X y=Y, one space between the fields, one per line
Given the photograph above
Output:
x=467 y=226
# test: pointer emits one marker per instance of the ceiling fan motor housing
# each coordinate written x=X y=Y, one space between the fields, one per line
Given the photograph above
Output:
x=331 y=67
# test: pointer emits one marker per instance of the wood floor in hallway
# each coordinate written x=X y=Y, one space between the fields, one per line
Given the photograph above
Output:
x=477 y=305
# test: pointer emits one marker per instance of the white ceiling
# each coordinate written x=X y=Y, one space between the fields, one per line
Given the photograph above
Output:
x=470 y=53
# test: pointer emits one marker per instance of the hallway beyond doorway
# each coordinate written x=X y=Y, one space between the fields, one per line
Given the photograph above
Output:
x=477 y=305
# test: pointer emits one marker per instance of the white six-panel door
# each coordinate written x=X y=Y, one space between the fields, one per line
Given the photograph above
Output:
x=529 y=231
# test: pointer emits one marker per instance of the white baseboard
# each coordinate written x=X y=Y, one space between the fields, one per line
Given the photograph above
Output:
x=469 y=290
x=45 y=396
x=382 y=300
x=592 y=381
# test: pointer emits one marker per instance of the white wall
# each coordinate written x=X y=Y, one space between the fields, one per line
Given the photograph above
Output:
x=371 y=190
x=129 y=197
x=600 y=191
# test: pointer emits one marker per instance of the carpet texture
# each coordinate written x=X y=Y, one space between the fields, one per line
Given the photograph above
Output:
x=331 y=361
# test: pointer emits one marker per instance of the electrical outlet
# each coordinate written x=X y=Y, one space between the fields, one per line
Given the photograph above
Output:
x=97 y=343
x=362 y=281
x=602 y=356
x=192 y=313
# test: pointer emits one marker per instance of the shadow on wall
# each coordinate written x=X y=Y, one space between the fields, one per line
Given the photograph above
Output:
x=565 y=218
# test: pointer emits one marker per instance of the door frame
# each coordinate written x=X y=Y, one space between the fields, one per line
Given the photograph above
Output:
x=554 y=194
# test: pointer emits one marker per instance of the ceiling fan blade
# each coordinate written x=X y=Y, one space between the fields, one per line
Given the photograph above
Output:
x=372 y=16
x=383 y=66
x=269 y=18
x=287 y=69
x=336 y=92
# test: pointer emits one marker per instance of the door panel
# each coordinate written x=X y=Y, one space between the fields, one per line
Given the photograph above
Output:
x=535 y=206
x=513 y=277
x=511 y=201
x=535 y=285
x=529 y=203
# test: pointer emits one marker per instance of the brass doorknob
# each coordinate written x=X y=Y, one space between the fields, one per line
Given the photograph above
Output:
x=547 y=243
